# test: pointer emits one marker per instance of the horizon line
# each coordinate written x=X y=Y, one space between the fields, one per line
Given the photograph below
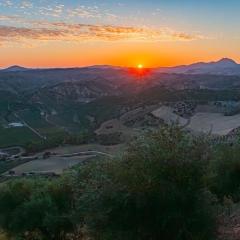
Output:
x=109 y=65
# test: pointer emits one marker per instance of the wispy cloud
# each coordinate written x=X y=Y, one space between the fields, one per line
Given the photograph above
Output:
x=62 y=31
x=52 y=11
x=56 y=10
x=6 y=3
x=89 y=12
x=84 y=32
x=26 y=5
x=8 y=18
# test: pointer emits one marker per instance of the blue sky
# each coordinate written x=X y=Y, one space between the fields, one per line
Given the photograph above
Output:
x=212 y=16
x=203 y=14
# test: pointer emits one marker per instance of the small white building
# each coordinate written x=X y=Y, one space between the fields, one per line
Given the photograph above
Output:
x=15 y=125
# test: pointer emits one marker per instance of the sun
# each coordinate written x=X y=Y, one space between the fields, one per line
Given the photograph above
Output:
x=139 y=66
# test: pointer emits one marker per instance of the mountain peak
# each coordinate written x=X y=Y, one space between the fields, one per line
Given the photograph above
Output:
x=15 y=68
x=227 y=61
x=224 y=66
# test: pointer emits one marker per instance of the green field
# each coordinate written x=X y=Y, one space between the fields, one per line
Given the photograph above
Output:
x=16 y=136
x=74 y=118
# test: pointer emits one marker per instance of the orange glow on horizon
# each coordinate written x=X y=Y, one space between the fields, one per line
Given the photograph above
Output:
x=139 y=71
x=127 y=54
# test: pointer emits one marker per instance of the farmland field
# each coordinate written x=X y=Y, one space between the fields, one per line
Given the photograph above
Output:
x=53 y=164
x=166 y=113
x=16 y=136
x=216 y=123
x=59 y=163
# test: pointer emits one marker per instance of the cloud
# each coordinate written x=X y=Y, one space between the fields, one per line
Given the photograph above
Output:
x=17 y=29
x=89 y=12
x=6 y=3
x=26 y=5
x=8 y=18
x=53 y=11
x=84 y=12
x=61 y=31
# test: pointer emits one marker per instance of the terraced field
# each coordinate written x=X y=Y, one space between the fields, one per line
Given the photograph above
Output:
x=53 y=164
x=65 y=157
x=215 y=123
x=169 y=117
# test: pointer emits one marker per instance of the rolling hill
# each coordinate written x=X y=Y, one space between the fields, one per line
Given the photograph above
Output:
x=224 y=66
x=73 y=100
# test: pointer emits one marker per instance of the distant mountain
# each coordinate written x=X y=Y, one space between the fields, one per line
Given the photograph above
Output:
x=224 y=66
x=105 y=67
x=15 y=68
x=87 y=83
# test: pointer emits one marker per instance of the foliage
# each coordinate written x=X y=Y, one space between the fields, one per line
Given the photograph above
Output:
x=224 y=173
x=155 y=191
x=15 y=136
x=167 y=185
x=110 y=139
x=37 y=208
x=56 y=140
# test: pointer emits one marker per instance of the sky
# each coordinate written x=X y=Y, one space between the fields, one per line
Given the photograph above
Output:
x=71 y=33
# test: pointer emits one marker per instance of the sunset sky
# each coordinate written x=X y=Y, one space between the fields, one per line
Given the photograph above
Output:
x=64 y=33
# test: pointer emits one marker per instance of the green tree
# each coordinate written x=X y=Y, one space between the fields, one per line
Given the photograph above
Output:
x=37 y=208
x=224 y=173
x=154 y=191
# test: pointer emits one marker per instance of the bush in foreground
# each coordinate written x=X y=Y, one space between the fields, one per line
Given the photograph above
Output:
x=154 y=191
x=224 y=173
x=36 y=209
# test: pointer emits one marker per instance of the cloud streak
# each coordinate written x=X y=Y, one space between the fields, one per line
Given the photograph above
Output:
x=62 y=31
x=57 y=10
x=16 y=28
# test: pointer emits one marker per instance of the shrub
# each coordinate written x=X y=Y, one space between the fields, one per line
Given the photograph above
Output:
x=38 y=208
x=154 y=191
x=224 y=174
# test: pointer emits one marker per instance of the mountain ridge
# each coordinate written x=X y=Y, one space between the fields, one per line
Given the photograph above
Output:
x=224 y=66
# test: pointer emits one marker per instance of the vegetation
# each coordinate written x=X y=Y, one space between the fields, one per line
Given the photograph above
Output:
x=36 y=209
x=110 y=139
x=72 y=116
x=167 y=185
x=16 y=136
x=56 y=140
x=224 y=173
x=155 y=191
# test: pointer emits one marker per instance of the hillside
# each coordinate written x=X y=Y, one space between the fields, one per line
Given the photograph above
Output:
x=225 y=66
x=76 y=100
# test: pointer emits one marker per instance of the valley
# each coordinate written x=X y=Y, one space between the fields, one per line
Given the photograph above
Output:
x=102 y=107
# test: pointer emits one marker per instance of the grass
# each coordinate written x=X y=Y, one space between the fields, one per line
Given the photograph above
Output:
x=6 y=166
x=34 y=118
x=16 y=136
x=101 y=110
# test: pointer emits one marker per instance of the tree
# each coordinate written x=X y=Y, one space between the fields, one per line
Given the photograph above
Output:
x=224 y=173
x=154 y=191
x=36 y=208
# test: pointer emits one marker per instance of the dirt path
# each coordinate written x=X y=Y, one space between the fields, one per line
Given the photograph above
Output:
x=29 y=127
x=87 y=153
